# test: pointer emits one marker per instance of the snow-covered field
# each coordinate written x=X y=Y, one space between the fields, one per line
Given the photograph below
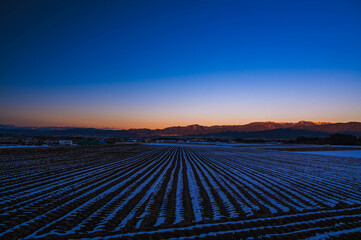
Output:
x=177 y=192
x=17 y=146
x=343 y=153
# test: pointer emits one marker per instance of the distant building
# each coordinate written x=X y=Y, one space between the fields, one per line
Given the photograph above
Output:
x=65 y=142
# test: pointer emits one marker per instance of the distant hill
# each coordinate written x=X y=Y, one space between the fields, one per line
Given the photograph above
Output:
x=324 y=127
x=250 y=130
x=279 y=133
x=250 y=127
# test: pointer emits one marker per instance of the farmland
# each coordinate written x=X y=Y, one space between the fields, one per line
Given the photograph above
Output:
x=177 y=192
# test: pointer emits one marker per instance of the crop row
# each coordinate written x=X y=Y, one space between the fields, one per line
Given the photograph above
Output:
x=178 y=192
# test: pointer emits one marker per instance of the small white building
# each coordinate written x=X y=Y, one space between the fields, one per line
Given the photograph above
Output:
x=65 y=142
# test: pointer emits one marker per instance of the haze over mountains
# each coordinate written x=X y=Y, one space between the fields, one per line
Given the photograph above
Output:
x=252 y=130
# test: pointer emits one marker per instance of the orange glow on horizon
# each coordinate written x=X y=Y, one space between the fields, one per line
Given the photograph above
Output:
x=107 y=122
x=206 y=103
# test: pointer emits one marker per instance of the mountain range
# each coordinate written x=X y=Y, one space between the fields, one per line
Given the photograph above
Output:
x=267 y=130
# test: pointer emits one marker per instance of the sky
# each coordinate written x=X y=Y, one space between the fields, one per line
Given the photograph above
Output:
x=154 y=64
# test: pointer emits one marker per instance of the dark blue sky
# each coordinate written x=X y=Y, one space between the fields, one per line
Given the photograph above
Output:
x=135 y=57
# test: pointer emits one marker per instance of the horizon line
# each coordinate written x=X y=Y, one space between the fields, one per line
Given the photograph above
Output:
x=195 y=124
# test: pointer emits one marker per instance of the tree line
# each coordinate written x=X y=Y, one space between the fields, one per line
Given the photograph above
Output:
x=333 y=139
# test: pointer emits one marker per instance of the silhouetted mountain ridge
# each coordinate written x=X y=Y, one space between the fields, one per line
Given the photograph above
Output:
x=254 y=129
x=326 y=127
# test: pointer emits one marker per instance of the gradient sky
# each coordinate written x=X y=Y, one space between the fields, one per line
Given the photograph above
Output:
x=153 y=64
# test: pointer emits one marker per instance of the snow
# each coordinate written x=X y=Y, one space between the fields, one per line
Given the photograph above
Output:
x=72 y=213
x=342 y=153
x=315 y=221
x=19 y=146
x=246 y=181
x=162 y=213
x=334 y=234
x=179 y=209
x=132 y=192
x=152 y=191
x=194 y=193
x=230 y=208
x=121 y=196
